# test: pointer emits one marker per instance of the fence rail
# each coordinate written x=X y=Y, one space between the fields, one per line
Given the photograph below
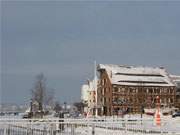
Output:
x=93 y=126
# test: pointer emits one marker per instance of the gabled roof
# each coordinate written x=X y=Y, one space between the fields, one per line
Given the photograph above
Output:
x=131 y=75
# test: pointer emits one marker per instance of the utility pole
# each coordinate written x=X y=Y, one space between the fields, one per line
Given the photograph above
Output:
x=95 y=87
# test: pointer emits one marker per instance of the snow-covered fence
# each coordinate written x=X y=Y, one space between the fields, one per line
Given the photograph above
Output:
x=93 y=126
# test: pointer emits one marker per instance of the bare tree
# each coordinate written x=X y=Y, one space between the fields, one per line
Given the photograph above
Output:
x=39 y=91
x=49 y=98
x=57 y=107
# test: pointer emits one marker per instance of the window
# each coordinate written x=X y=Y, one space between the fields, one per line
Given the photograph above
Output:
x=150 y=90
x=104 y=100
x=158 y=91
x=115 y=89
x=171 y=91
x=101 y=91
x=171 y=100
x=102 y=81
x=130 y=90
x=104 y=110
x=130 y=100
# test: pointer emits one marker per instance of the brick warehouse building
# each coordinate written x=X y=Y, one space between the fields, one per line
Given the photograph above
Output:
x=123 y=88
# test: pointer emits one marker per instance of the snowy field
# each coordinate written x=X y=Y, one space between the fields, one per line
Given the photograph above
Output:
x=130 y=125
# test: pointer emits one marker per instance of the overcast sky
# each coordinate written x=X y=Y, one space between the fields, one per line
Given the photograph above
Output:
x=62 y=40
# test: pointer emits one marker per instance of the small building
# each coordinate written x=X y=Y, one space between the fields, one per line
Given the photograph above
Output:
x=88 y=96
x=124 y=88
x=84 y=93
x=91 y=97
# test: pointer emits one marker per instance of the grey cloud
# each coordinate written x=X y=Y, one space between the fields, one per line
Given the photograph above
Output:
x=62 y=39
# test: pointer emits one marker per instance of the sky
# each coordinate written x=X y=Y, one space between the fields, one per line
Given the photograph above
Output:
x=62 y=39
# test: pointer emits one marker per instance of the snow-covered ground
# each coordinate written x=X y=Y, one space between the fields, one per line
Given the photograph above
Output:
x=130 y=124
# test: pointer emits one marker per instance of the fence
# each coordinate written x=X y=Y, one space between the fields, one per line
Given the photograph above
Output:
x=108 y=126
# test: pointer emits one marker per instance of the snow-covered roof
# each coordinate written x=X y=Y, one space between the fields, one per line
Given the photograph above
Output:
x=131 y=75
x=176 y=79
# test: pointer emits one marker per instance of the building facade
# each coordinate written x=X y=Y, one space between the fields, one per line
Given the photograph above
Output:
x=84 y=93
x=176 y=80
x=88 y=96
x=130 y=89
